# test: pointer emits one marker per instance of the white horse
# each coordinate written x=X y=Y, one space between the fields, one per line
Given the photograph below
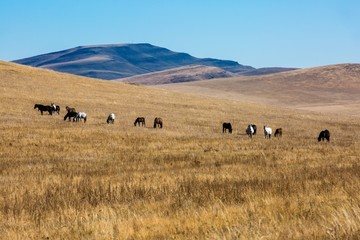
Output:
x=55 y=108
x=267 y=132
x=250 y=131
x=111 y=118
x=79 y=116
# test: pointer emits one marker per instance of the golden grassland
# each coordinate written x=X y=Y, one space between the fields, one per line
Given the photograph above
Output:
x=65 y=180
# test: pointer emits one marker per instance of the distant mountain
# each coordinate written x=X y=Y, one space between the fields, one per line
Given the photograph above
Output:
x=123 y=60
x=181 y=74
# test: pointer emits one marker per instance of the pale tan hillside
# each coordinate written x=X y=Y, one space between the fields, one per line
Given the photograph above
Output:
x=333 y=89
x=180 y=74
x=93 y=180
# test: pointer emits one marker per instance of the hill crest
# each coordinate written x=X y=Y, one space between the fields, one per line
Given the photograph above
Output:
x=333 y=88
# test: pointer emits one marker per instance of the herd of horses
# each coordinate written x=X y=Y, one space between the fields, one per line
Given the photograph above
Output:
x=71 y=113
x=158 y=122
x=251 y=131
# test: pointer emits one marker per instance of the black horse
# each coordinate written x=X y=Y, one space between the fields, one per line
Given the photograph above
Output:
x=324 y=135
x=70 y=115
x=158 y=122
x=43 y=108
x=140 y=120
x=227 y=126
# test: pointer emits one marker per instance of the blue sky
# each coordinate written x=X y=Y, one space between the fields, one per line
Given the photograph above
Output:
x=260 y=33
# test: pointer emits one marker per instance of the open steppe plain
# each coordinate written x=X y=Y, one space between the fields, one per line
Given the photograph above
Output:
x=66 y=180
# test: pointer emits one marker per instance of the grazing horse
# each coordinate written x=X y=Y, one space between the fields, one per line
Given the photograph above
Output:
x=278 y=132
x=70 y=109
x=254 y=127
x=324 y=135
x=158 y=122
x=250 y=131
x=227 y=126
x=43 y=108
x=79 y=116
x=70 y=115
x=140 y=120
x=111 y=118
x=55 y=108
x=267 y=132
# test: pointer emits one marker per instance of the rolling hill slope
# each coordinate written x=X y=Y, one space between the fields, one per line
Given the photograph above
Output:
x=334 y=88
x=188 y=180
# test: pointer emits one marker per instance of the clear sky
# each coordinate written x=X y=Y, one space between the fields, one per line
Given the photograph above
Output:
x=259 y=33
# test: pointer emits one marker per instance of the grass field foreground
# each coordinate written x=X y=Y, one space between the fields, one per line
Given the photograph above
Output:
x=66 y=180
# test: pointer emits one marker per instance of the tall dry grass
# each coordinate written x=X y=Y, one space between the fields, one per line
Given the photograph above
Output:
x=65 y=180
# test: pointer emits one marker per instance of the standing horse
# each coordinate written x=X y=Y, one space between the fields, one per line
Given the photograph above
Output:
x=227 y=126
x=79 y=116
x=43 y=108
x=158 y=122
x=111 y=118
x=55 y=108
x=267 y=132
x=140 y=120
x=278 y=132
x=324 y=135
x=250 y=131
x=70 y=115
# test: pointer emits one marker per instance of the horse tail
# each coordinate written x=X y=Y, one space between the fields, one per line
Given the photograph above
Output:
x=85 y=119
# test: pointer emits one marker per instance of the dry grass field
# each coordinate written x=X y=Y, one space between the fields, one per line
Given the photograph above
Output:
x=66 y=180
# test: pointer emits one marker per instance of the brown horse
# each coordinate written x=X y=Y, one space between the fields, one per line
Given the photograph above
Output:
x=70 y=109
x=140 y=120
x=278 y=132
x=158 y=122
